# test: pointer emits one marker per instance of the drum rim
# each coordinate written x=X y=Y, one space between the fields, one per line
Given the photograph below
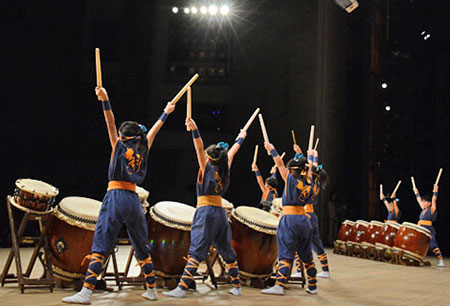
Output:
x=393 y=224
x=412 y=254
x=349 y=222
x=169 y=222
x=166 y=218
x=53 y=193
x=143 y=196
x=418 y=228
x=265 y=226
x=72 y=215
x=363 y=223
x=375 y=222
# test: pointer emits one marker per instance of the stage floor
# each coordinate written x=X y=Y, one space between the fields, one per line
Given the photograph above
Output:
x=353 y=282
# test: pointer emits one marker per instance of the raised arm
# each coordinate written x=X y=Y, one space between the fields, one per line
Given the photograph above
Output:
x=277 y=159
x=109 y=116
x=297 y=149
x=198 y=143
x=386 y=203
x=418 y=198
x=434 y=199
x=259 y=178
x=159 y=123
x=235 y=148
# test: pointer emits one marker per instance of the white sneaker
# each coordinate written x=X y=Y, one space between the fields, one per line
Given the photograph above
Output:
x=83 y=297
x=441 y=263
x=297 y=274
x=176 y=293
x=313 y=292
x=236 y=291
x=277 y=290
x=324 y=274
x=151 y=294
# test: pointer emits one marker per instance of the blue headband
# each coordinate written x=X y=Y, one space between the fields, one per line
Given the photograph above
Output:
x=298 y=156
x=223 y=145
x=320 y=167
x=143 y=128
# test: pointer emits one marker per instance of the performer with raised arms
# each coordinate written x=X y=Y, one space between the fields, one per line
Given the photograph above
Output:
x=210 y=225
x=121 y=204
x=429 y=215
x=294 y=232
x=391 y=203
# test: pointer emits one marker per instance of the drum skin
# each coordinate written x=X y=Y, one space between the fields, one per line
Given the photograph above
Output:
x=345 y=231
x=69 y=245
x=387 y=237
x=256 y=252
x=358 y=234
x=168 y=246
x=413 y=241
x=373 y=233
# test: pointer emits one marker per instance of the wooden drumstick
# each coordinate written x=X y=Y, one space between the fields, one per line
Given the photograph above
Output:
x=438 y=177
x=250 y=121
x=263 y=129
x=413 y=182
x=381 y=189
x=255 y=156
x=189 y=106
x=293 y=137
x=310 y=145
x=317 y=143
x=396 y=188
x=282 y=156
x=184 y=89
x=98 y=68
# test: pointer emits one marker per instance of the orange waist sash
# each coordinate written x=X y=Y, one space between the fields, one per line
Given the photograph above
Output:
x=121 y=185
x=209 y=200
x=293 y=210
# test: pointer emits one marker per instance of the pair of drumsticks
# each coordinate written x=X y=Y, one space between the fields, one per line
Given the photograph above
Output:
x=186 y=88
x=413 y=183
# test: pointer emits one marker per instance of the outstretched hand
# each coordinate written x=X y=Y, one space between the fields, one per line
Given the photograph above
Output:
x=169 y=108
x=416 y=191
x=101 y=93
x=242 y=134
x=435 y=188
x=190 y=124
x=381 y=196
x=268 y=146
x=273 y=170
x=254 y=167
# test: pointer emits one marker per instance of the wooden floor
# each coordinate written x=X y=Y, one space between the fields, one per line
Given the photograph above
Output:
x=353 y=282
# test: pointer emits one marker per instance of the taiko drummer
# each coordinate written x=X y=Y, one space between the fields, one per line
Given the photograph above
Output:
x=320 y=178
x=428 y=216
x=210 y=225
x=391 y=203
x=268 y=187
x=294 y=230
x=121 y=204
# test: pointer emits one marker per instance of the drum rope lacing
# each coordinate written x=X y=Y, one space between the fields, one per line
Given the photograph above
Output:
x=254 y=224
x=65 y=213
x=50 y=202
x=170 y=221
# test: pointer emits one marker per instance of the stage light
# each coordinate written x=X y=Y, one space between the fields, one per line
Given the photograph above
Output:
x=203 y=10
x=384 y=85
x=186 y=10
x=423 y=33
x=224 y=10
x=348 y=5
x=194 y=10
x=213 y=10
x=174 y=9
x=388 y=108
x=427 y=36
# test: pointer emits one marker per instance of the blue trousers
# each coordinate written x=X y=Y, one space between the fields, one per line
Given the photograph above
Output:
x=119 y=207
x=433 y=241
x=317 y=244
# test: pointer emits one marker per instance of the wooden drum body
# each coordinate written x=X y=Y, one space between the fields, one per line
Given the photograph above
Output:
x=345 y=231
x=373 y=233
x=413 y=239
x=169 y=234
x=34 y=194
x=71 y=235
x=254 y=241
x=387 y=237
x=358 y=234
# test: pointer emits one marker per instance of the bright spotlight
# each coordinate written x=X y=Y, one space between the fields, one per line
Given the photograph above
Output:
x=213 y=10
x=384 y=85
x=388 y=108
x=203 y=10
x=186 y=10
x=174 y=9
x=427 y=36
x=194 y=10
x=224 y=10
x=423 y=33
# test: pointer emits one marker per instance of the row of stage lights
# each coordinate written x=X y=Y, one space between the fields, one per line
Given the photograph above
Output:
x=212 y=10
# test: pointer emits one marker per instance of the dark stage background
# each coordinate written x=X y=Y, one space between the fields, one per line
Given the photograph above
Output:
x=302 y=62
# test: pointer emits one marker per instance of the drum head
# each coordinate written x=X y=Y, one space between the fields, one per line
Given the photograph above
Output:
x=417 y=228
x=378 y=223
x=173 y=214
x=348 y=222
x=38 y=187
x=79 y=211
x=226 y=204
x=257 y=219
x=362 y=222
x=393 y=224
x=142 y=193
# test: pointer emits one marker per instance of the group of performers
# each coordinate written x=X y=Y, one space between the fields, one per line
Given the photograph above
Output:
x=297 y=232
x=428 y=215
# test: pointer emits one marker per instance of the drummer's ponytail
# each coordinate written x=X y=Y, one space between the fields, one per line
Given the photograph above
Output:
x=218 y=156
x=132 y=131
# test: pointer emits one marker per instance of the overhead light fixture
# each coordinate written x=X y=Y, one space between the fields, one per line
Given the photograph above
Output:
x=224 y=10
x=388 y=108
x=203 y=10
x=174 y=9
x=186 y=10
x=213 y=10
x=384 y=85
x=194 y=10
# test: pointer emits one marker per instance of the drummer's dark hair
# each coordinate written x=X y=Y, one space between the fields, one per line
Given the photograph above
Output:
x=297 y=165
x=323 y=178
x=218 y=156
x=134 y=129
x=272 y=181
x=426 y=197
